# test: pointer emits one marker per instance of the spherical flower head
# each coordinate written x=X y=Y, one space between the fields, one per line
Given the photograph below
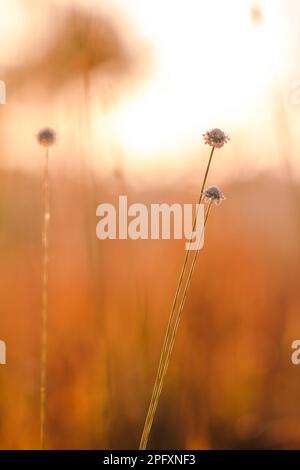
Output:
x=214 y=194
x=46 y=137
x=215 y=138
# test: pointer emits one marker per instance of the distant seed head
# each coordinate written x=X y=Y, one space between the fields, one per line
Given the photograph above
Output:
x=215 y=138
x=214 y=194
x=256 y=14
x=46 y=137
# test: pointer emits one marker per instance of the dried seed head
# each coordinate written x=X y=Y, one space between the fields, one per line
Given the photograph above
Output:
x=214 y=194
x=215 y=138
x=46 y=137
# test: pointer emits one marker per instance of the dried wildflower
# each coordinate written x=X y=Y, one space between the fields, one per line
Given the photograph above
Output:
x=214 y=194
x=46 y=137
x=215 y=138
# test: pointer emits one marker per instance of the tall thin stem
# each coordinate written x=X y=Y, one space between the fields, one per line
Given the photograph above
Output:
x=45 y=247
x=171 y=316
